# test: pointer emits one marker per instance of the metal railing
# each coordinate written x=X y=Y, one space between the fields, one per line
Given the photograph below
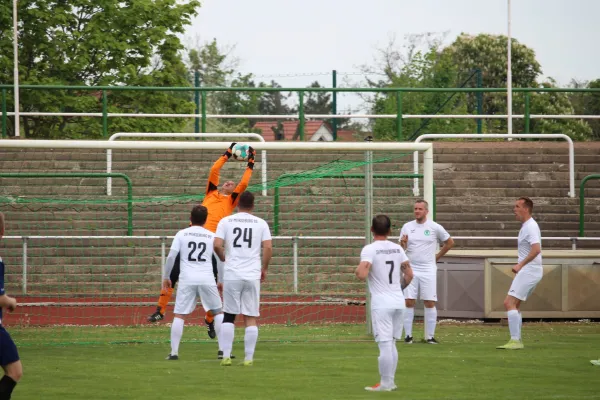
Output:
x=294 y=239
x=276 y=200
x=85 y=175
x=118 y=135
x=301 y=115
x=582 y=201
x=500 y=136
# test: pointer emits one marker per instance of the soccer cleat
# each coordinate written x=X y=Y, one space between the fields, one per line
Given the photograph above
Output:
x=432 y=341
x=172 y=357
x=211 y=329
x=512 y=345
x=220 y=355
x=248 y=363
x=595 y=362
x=379 y=388
x=408 y=339
x=157 y=316
x=226 y=362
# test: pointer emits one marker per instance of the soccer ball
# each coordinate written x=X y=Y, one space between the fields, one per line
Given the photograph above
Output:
x=241 y=151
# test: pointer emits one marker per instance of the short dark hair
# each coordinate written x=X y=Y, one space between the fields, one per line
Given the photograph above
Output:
x=528 y=203
x=246 y=201
x=198 y=215
x=381 y=225
x=424 y=202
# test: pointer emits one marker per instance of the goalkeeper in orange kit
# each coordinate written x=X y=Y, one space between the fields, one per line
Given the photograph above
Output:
x=220 y=203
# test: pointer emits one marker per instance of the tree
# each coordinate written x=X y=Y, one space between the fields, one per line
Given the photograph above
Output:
x=587 y=103
x=488 y=54
x=419 y=64
x=98 y=42
x=274 y=103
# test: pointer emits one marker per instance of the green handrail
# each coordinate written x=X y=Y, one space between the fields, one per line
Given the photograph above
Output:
x=582 y=201
x=376 y=175
x=302 y=89
x=85 y=175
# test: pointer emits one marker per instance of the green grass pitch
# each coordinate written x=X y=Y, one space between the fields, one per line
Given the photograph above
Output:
x=336 y=363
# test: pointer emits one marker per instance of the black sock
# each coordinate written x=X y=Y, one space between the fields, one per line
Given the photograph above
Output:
x=7 y=384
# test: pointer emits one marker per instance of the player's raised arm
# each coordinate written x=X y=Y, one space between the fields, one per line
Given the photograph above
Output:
x=241 y=187
x=213 y=177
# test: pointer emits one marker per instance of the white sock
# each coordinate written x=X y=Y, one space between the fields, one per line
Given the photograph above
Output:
x=176 y=333
x=409 y=316
x=227 y=335
x=394 y=361
x=514 y=324
x=250 y=339
x=430 y=322
x=386 y=363
x=520 y=324
x=218 y=322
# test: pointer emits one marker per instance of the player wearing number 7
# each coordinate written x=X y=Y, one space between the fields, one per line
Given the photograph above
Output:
x=388 y=270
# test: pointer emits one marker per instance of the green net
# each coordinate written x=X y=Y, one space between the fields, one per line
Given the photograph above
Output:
x=76 y=256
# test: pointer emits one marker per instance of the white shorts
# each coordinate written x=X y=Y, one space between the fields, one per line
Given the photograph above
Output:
x=524 y=284
x=187 y=295
x=387 y=324
x=423 y=283
x=242 y=297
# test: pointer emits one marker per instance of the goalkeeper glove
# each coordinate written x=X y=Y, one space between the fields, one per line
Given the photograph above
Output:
x=251 y=154
x=229 y=151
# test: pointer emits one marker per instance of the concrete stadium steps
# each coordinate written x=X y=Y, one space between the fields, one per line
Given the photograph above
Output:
x=476 y=187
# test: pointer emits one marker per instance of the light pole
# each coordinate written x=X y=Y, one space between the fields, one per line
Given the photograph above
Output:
x=16 y=67
x=509 y=76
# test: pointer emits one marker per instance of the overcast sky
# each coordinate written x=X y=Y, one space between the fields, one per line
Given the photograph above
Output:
x=280 y=37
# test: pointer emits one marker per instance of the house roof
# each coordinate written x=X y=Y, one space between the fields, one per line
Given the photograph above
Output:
x=310 y=128
x=289 y=128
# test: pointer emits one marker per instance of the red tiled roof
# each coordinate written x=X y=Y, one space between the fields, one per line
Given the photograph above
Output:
x=289 y=129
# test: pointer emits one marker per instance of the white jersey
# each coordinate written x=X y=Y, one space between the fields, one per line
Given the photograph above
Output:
x=422 y=244
x=243 y=234
x=195 y=248
x=384 y=277
x=528 y=236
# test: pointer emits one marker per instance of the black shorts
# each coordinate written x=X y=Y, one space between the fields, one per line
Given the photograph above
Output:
x=8 y=349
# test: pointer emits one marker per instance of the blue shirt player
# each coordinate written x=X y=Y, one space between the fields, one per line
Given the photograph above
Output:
x=9 y=357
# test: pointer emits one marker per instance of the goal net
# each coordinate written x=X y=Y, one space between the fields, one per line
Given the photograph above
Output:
x=85 y=266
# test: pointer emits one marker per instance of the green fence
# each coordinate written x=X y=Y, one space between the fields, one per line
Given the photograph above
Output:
x=201 y=93
x=582 y=202
x=86 y=175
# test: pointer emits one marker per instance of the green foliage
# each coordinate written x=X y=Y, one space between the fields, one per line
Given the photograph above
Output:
x=99 y=42
x=587 y=103
x=488 y=54
x=429 y=69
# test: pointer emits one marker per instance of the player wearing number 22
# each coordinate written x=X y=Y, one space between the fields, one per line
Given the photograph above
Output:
x=388 y=271
x=243 y=235
x=194 y=247
x=420 y=238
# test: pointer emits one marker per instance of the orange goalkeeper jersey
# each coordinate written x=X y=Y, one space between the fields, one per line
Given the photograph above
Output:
x=220 y=205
